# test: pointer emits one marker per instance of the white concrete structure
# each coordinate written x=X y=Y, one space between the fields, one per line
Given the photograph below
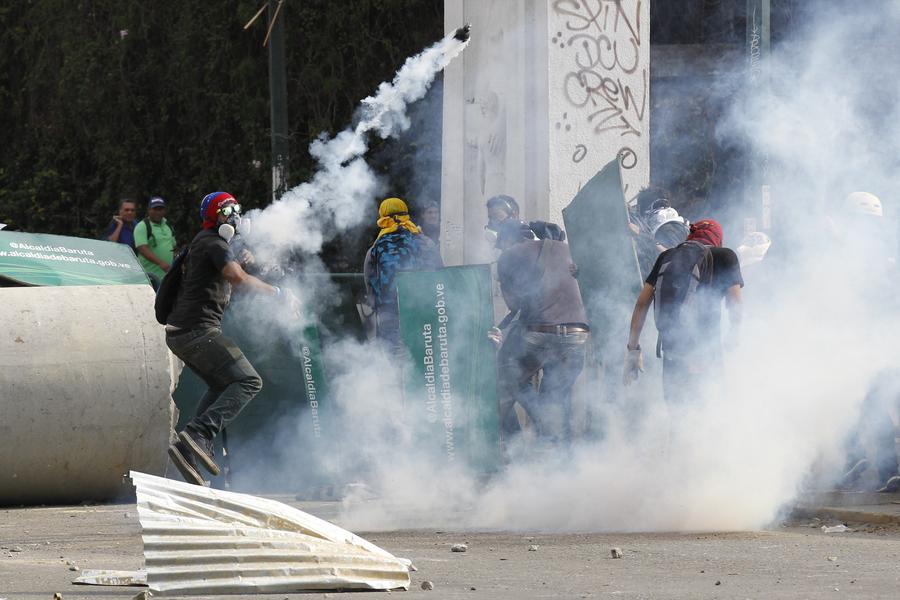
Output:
x=547 y=93
x=85 y=392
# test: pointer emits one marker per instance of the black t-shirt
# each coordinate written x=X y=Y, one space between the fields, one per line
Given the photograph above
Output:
x=204 y=290
x=726 y=274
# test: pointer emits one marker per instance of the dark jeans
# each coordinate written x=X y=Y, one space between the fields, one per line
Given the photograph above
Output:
x=561 y=356
x=232 y=380
x=689 y=372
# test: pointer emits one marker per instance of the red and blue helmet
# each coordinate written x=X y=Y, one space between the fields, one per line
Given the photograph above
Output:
x=211 y=205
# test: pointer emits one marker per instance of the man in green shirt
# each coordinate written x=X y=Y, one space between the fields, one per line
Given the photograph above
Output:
x=154 y=241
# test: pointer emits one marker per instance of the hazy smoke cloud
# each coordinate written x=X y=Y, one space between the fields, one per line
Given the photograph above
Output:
x=819 y=330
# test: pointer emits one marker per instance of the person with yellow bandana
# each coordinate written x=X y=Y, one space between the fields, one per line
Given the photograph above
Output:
x=400 y=246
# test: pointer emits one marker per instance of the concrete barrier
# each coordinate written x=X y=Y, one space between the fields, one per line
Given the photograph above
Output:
x=86 y=386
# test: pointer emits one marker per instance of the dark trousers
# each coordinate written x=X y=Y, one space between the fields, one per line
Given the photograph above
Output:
x=232 y=380
x=561 y=356
x=690 y=371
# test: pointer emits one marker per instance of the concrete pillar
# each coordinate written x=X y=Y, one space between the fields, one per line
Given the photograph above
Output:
x=85 y=392
x=547 y=93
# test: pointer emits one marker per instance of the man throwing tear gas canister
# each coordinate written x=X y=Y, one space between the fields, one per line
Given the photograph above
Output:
x=686 y=287
x=194 y=333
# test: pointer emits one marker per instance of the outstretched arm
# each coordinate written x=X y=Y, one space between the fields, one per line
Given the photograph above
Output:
x=639 y=316
x=735 y=304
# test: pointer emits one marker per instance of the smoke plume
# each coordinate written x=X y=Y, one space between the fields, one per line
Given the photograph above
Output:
x=819 y=328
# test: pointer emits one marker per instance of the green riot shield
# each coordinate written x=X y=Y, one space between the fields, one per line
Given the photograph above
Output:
x=603 y=249
x=42 y=259
x=609 y=279
x=451 y=390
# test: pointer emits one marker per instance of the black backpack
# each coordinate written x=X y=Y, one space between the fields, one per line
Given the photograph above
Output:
x=168 y=288
x=686 y=267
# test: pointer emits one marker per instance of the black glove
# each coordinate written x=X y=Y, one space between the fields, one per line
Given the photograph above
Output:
x=462 y=34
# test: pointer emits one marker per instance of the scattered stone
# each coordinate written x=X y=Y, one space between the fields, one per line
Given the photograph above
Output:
x=836 y=529
x=832 y=558
x=458 y=548
x=533 y=548
x=427 y=586
x=616 y=552
x=73 y=568
x=837 y=589
x=472 y=588
x=145 y=595
x=57 y=596
x=16 y=549
x=718 y=582
x=412 y=567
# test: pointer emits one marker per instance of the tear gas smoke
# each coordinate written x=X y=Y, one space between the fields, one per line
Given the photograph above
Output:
x=343 y=187
x=818 y=332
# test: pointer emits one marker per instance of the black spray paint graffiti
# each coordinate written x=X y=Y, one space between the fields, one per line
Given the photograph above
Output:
x=606 y=37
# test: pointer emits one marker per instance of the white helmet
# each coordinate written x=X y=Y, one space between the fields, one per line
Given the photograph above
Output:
x=660 y=217
x=864 y=203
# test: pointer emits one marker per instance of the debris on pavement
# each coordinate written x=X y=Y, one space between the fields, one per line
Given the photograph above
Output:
x=145 y=595
x=57 y=596
x=458 y=548
x=533 y=548
x=836 y=529
x=615 y=552
x=427 y=586
x=112 y=578
x=832 y=559
x=189 y=530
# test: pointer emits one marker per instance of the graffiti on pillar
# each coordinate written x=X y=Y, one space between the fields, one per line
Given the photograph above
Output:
x=605 y=84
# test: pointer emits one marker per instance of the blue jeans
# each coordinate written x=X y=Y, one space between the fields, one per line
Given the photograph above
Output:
x=232 y=380
x=561 y=356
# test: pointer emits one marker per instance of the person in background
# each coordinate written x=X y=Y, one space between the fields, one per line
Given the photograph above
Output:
x=194 y=334
x=400 y=246
x=154 y=241
x=687 y=285
x=121 y=228
x=431 y=221
x=537 y=283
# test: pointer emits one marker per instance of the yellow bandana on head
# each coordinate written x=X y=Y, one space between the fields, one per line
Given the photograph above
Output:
x=394 y=214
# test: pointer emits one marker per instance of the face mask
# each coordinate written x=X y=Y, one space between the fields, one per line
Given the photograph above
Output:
x=232 y=222
x=226 y=232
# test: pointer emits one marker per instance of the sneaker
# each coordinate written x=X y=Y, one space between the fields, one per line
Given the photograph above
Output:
x=891 y=486
x=183 y=459
x=202 y=449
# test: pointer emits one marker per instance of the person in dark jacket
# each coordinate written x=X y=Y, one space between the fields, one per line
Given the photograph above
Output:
x=537 y=283
x=194 y=334
x=400 y=246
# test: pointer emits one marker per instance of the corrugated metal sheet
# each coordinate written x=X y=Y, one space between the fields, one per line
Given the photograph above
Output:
x=199 y=540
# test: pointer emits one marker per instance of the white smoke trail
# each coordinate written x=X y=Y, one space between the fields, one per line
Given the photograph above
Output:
x=340 y=192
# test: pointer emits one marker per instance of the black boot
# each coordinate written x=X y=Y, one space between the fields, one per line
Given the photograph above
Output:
x=202 y=447
x=184 y=461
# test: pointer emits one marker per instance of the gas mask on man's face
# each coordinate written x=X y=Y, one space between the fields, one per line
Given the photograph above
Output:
x=232 y=214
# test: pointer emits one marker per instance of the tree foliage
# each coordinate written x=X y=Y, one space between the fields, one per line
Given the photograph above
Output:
x=105 y=99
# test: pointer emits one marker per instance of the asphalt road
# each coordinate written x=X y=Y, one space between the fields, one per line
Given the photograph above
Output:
x=37 y=545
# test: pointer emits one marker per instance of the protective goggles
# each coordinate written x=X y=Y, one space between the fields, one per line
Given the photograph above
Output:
x=230 y=209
